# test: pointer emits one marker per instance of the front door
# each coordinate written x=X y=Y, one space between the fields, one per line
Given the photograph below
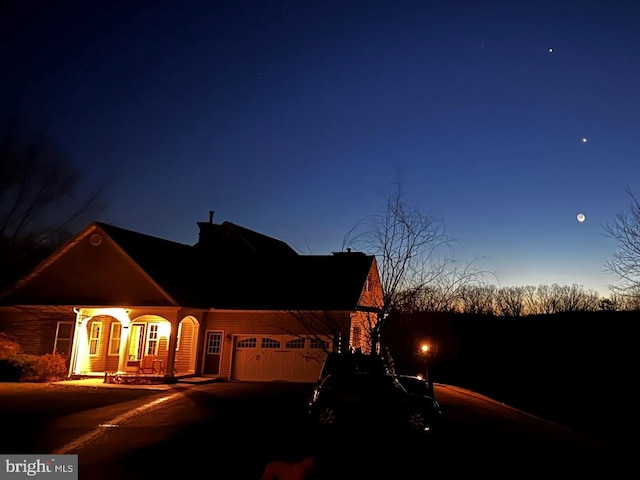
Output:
x=212 y=353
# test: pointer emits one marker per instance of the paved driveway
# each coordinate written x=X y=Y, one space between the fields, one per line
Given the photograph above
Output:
x=36 y=406
x=479 y=431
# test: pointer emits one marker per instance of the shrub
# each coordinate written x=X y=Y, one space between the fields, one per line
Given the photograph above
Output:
x=8 y=347
x=51 y=367
x=32 y=368
x=17 y=368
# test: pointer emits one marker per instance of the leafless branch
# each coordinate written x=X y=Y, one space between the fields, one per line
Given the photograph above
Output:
x=625 y=263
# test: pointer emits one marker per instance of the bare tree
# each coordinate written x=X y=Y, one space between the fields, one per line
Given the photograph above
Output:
x=531 y=306
x=510 y=301
x=41 y=200
x=548 y=298
x=414 y=254
x=627 y=302
x=573 y=298
x=477 y=299
x=625 y=263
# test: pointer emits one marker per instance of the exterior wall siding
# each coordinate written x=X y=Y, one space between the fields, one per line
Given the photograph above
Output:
x=64 y=279
x=184 y=353
x=34 y=328
x=361 y=324
x=372 y=292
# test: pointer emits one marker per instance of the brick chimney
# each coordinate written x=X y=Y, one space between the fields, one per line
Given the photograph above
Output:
x=207 y=230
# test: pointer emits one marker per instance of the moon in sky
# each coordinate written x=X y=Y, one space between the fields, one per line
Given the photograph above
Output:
x=581 y=218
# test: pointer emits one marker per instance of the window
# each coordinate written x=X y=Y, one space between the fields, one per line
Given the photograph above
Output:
x=317 y=343
x=64 y=334
x=270 y=343
x=214 y=343
x=297 y=343
x=153 y=339
x=247 y=343
x=114 y=338
x=94 y=338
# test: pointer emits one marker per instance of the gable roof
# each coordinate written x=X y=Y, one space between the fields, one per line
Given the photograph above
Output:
x=230 y=267
x=92 y=270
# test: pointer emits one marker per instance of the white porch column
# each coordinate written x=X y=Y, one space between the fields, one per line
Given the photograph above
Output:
x=80 y=348
x=124 y=343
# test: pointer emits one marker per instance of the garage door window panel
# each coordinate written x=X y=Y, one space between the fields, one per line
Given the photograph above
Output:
x=318 y=344
x=296 y=343
x=247 y=343
x=270 y=343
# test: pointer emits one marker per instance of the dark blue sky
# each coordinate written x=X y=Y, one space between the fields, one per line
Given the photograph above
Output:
x=289 y=118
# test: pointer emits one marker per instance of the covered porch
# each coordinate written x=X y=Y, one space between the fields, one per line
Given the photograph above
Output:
x=120 y=343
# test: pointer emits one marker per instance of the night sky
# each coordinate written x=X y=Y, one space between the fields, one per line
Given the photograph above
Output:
x=290 y=118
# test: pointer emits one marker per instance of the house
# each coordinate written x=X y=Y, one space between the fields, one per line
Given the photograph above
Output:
x=237 y=304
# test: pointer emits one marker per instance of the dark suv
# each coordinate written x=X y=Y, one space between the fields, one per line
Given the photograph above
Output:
x=369 y=397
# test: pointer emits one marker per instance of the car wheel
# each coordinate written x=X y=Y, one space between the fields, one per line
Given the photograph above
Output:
x=326 y=415
x=417 y=421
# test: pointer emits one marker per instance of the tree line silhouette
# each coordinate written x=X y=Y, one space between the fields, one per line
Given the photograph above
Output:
x=512 y=301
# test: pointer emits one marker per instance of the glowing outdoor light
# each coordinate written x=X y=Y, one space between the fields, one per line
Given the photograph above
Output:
x=425 y=353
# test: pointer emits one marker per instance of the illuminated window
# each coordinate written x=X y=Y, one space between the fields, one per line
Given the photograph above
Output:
x=319 y=344
x=114 y=338
x=94 y=338
x=247 y=343
x=297 y=343
x=153 y=338
x=270 y=343
x=64 y=334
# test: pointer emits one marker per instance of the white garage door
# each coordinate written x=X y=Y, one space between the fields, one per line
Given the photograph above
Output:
x=287 y=358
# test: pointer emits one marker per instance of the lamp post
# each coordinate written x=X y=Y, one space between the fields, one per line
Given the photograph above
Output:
x=425 y=349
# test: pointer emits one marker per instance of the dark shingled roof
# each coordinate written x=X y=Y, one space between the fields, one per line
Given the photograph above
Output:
x=232 y=267
x=324 y=282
